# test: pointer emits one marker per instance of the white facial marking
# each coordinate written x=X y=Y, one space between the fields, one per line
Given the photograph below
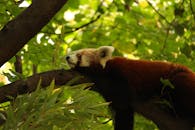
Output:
x=85 y=57
x=72 y=60
x=85 y=61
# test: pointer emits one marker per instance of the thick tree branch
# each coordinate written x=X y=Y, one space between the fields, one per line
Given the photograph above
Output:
x=28 y=85
x=19 y=31
x=148 y=109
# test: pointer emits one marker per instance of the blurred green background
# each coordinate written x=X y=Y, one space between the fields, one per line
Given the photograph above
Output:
x=138 y=29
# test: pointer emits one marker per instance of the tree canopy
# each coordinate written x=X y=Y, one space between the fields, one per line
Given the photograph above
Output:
x=36 y=34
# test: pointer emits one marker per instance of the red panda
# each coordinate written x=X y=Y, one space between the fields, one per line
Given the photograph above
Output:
x=135 y=86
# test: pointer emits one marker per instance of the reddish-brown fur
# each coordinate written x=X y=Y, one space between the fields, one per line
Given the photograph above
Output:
x=144 y=78
x=135 y=86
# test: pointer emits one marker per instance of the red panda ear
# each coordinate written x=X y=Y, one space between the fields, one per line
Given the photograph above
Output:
x=105 y=51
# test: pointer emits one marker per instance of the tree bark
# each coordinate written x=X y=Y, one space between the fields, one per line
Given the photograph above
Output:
x=148 y=109
x=30 y=84
x=20 y=30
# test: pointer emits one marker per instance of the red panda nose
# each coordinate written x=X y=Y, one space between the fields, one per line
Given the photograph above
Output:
x=67 y=57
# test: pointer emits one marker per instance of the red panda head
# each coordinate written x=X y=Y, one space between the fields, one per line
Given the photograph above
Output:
x=90 y=56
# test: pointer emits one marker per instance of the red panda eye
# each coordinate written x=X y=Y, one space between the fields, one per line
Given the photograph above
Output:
x=103 y=54
x=78 y=56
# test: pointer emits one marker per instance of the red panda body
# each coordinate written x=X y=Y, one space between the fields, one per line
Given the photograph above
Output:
x=144 y=78
x=137 y=86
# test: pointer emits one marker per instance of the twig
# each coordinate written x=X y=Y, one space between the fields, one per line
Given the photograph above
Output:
x=193 y=13
x=82 y=26
x=163 y=17
x=166 y=38
x=90 y=22
x=74 y=29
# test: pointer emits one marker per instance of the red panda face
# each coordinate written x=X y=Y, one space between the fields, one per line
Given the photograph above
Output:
x=90 y=56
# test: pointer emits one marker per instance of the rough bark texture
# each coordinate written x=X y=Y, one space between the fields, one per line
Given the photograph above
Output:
x=28 y=85
x=19 y=31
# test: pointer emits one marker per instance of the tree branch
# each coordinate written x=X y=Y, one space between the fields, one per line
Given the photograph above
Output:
x=19 y=31
x=148 y=109
x=28 y=85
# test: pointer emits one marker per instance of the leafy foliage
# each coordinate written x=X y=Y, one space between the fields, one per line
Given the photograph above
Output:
x=143 y=124
x=140 y=29
x=68 y=107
